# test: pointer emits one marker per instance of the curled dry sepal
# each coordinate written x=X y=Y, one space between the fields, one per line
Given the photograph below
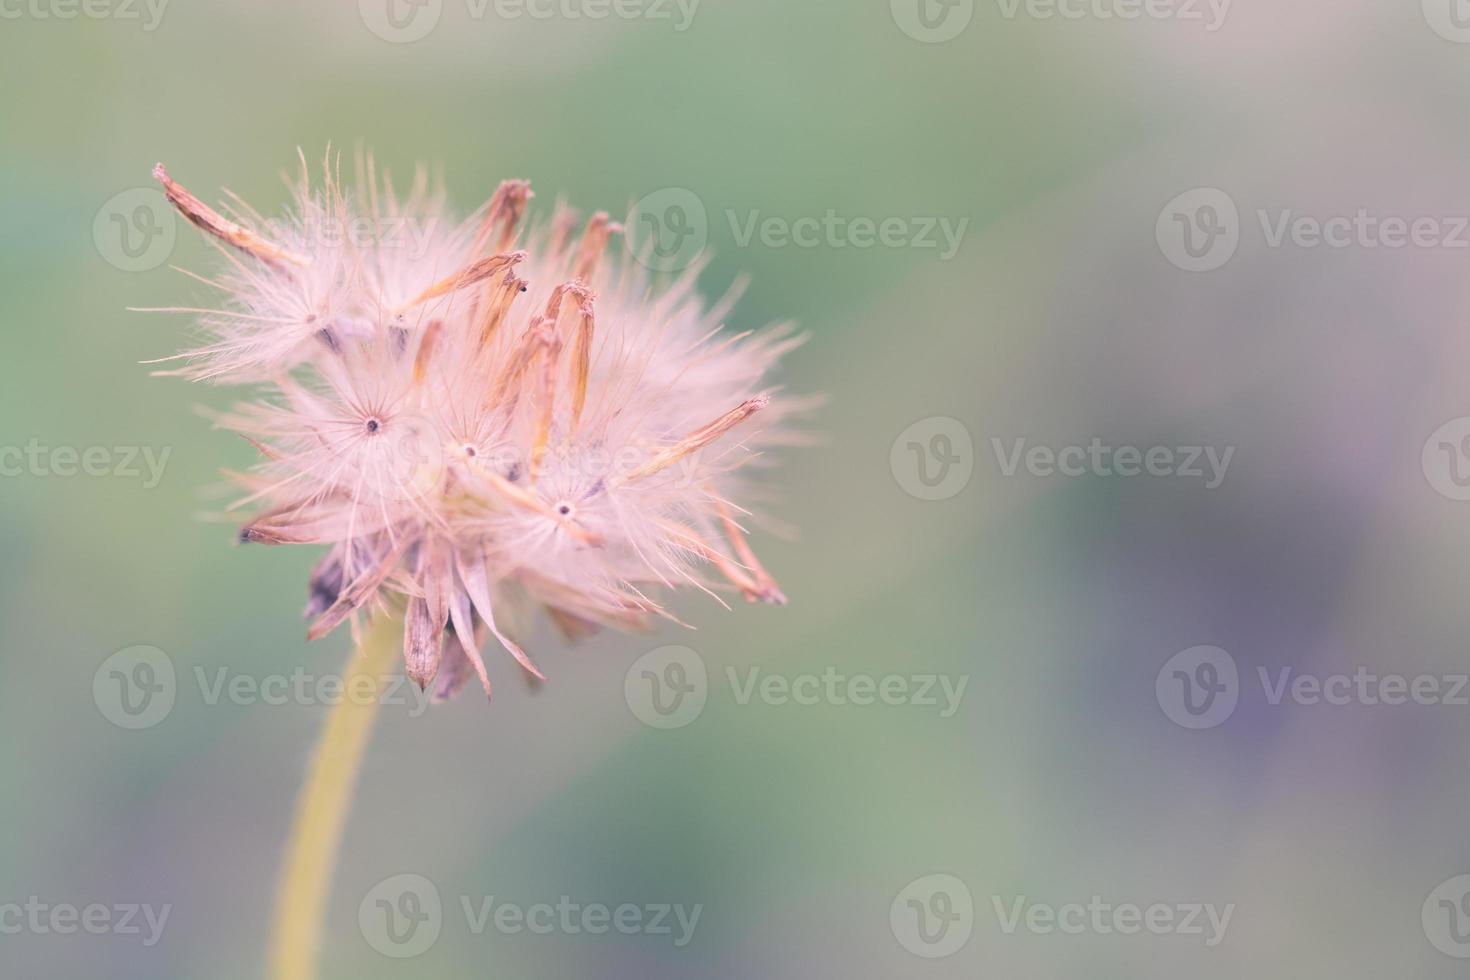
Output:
x=479 y=419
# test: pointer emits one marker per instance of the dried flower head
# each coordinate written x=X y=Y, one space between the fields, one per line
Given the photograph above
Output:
x=479 y=419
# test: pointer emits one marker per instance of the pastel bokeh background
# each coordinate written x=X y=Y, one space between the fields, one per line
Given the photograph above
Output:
x=1089 y=158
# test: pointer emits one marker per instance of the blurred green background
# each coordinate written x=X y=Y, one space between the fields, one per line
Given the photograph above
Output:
x=800 y=830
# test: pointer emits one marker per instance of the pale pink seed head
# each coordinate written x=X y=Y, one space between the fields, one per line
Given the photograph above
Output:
x=478 y=419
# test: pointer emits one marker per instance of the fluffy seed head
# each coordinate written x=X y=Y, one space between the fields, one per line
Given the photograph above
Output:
x=477 y=418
